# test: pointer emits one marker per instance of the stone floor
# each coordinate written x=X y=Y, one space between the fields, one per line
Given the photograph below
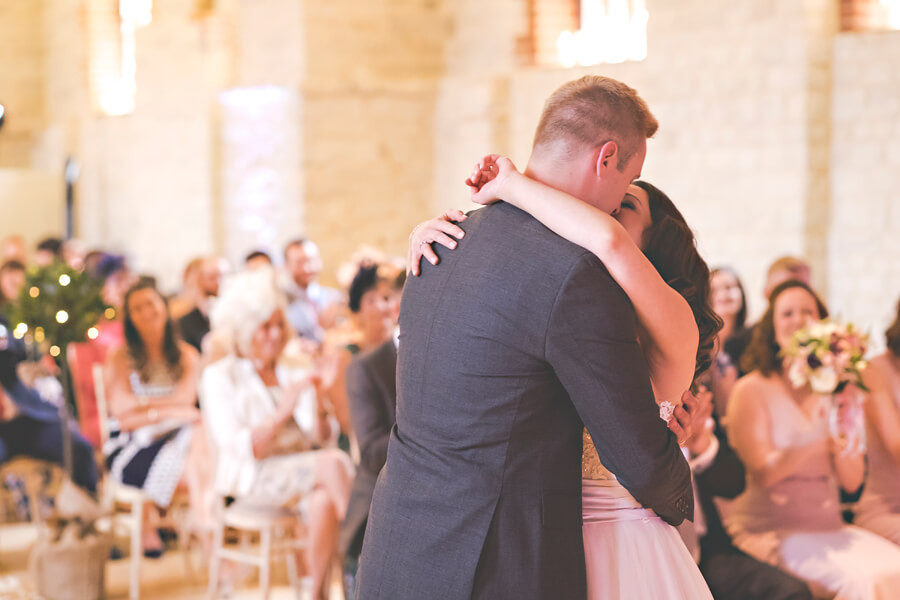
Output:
x=167 y=578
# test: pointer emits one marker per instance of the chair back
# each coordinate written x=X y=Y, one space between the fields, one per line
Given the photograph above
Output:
x=102 y=405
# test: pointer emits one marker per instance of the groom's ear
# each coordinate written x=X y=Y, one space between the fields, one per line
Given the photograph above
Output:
x=607 y=157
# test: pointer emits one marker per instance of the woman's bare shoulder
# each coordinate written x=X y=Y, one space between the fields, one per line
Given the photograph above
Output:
x=751 y=384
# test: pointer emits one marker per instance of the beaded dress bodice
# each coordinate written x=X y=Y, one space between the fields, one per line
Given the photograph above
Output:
x=591 y=467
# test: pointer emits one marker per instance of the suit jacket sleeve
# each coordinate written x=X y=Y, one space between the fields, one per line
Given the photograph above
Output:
x=725 y=477
x=371 y=423
x=592 y=346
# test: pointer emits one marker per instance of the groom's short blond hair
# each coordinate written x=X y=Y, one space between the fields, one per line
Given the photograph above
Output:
x=588 y=112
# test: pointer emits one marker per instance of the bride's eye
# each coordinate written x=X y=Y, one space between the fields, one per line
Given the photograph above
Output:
x=628 y=204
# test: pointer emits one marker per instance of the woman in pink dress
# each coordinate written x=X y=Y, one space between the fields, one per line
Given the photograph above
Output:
x=790 y=514
x=879 y=508
x=649 y=250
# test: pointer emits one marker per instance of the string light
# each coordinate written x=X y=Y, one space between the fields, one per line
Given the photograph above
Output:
x=34 y=292
x=20 y=331
x=54 y=351
x=110 y=313
x=92 y=333
x=64 y=280
x=62 y=316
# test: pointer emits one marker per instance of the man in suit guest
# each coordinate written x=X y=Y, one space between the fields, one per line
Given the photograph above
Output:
x=518 y=341
x=372 y=393
x=729 y=573
x=30 y=426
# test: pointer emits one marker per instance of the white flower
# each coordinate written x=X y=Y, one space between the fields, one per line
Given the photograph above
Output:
x=824 y=380
x=797 y=372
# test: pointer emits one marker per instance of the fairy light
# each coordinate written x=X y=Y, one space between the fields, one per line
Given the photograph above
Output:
x=34 y=292
x=92 y=333
x=20 y=331
x=64 y=280
x=62 y=316
x=54 y=351
x=110 y=313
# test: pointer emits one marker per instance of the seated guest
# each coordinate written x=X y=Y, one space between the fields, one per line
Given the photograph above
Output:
x=117 y=278
x=48 y=251
x=373 y=302
x=185 y=301
x=194 y=325
x=257 y=259
x=73 y=253
x=729 y=573
x=30 y=426
x=730 y=303
x=311 y=307
x=879 y=508
x=12 y=278
x=12 y=247
x=786 y=268
x=790 y=514
x=268 y=422
x=781 y=270
x=372 y=393
x=156 y=440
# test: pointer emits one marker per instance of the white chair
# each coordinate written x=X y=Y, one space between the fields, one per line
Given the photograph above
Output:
x=116 y=493
x=276 y=528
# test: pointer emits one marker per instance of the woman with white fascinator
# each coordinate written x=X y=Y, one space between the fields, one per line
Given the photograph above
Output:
x=268 y=422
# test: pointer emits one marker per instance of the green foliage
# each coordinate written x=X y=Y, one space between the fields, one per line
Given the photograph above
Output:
x=49 y=290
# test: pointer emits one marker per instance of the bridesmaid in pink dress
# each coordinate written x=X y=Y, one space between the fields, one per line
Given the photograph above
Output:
x=790 y=514
x=879 y=508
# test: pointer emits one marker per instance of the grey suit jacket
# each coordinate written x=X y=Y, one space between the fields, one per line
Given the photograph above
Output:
x=372 y=392
x=506 y=347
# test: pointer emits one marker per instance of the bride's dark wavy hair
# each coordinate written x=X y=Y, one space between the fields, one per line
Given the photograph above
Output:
x=670 y=246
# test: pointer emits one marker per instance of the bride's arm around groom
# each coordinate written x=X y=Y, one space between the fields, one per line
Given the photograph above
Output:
x=592 y=346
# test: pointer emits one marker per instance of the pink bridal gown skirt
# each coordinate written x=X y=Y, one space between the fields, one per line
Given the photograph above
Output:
x=631 y=553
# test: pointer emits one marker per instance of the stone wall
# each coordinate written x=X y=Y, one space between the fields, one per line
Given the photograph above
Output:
x=777 y=134
x=737 y=150
x=21 y=80
x=864 y=229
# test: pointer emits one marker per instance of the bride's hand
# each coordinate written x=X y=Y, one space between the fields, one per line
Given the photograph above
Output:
x=489 y=177
x=682 y=421
x=440 y=230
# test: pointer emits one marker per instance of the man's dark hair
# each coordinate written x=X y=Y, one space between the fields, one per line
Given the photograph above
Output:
x=366 y=279
x=53 y=245
x=258 y=254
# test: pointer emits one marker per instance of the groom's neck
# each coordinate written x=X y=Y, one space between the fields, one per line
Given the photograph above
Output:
x=562 y=173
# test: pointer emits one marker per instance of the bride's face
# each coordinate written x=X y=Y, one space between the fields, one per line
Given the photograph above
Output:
x=634 y=215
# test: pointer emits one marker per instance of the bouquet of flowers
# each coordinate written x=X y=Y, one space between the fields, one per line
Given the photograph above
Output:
x=830 y=357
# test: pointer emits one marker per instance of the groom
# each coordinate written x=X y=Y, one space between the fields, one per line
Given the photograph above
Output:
x=518 y=339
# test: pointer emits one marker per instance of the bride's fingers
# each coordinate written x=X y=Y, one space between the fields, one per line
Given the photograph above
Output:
x=457 y=216
x=443 y=239
x=679 y=432
x=429 y=254
x=449 y=228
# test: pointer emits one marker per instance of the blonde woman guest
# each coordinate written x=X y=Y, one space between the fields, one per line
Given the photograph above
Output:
x=268 y=423
x=879 y=507
x=790 y=515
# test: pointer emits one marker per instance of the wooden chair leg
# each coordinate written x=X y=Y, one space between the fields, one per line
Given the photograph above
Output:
x=290 y=560
x=265 y=551
x=137 y=550
x=216 y=561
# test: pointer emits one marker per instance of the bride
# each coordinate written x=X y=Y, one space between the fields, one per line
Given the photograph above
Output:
x=650 y=251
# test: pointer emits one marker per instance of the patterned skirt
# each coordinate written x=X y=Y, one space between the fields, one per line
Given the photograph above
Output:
x=151 y=458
